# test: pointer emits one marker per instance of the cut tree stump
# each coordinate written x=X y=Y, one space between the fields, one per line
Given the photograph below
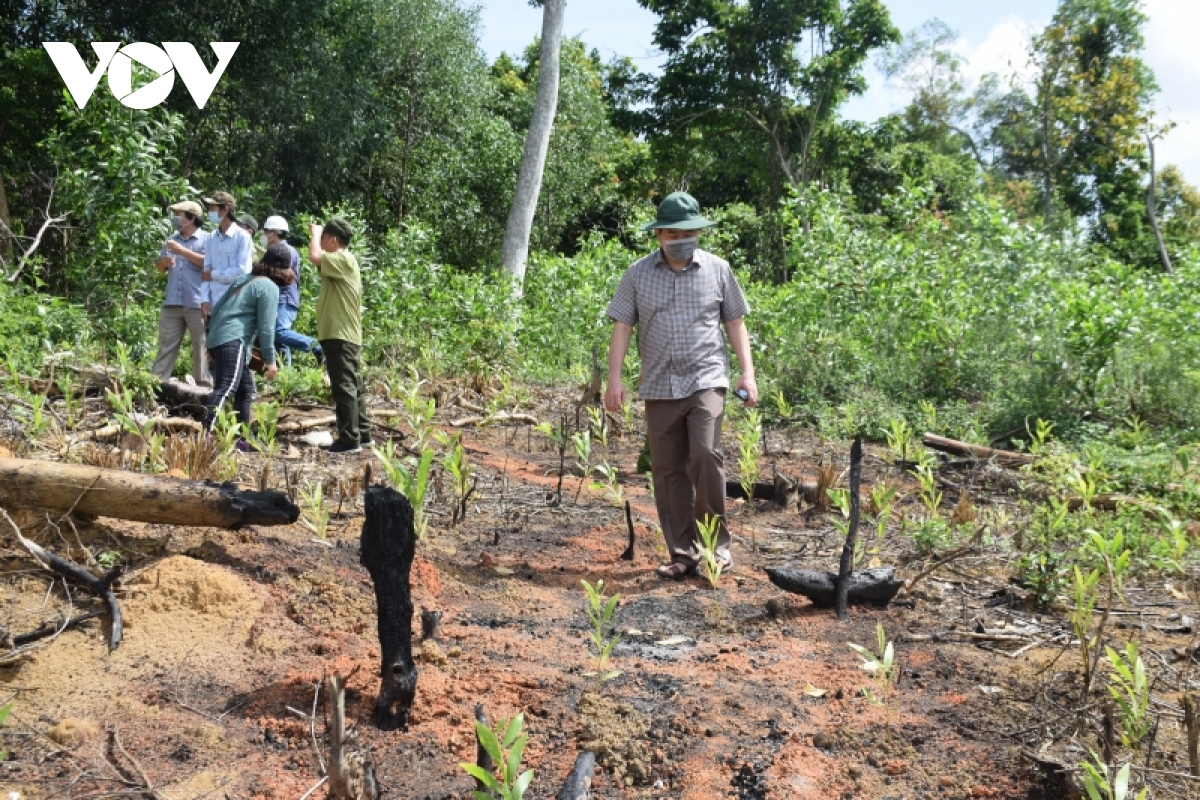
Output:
x=388 y=546
x=876 y=586
x=100 y=492
x=1005 y=458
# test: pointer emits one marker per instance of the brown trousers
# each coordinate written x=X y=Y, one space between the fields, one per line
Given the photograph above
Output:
x=172 y=322
x=689 y=468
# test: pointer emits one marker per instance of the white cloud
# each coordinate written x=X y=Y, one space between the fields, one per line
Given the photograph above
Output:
x=1004 y=51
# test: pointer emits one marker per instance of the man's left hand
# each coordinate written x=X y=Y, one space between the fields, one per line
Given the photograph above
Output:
x=272 y=370
x=750 y=387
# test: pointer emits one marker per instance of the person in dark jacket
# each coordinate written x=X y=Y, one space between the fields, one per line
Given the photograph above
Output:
x=246 y=310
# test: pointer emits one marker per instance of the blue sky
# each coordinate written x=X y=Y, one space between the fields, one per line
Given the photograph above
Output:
x=992 y=39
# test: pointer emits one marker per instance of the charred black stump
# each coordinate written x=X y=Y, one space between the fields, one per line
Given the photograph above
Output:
x=429 y=624
x=388 y=545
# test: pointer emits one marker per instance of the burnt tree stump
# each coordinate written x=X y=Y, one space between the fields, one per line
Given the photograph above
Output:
x=388 y=545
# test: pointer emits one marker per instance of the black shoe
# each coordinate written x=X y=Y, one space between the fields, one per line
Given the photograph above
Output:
x=340 y=447
x=367 y=442
x=319 y=355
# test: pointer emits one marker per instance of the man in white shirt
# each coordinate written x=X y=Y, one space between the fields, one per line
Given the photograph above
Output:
x=230 y=252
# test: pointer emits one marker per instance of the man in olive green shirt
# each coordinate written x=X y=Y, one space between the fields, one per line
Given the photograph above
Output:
x=339 y=329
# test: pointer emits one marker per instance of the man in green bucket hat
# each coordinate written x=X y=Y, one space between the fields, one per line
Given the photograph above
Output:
x=678 y=297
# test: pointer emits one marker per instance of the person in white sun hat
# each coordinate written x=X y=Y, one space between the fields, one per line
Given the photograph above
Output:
x=286 y=339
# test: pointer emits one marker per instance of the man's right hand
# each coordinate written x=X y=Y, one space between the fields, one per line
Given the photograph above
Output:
x=614 y=395
x=205 y=310
x=164 y=263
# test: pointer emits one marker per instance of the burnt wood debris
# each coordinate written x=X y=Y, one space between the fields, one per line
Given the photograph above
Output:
x=101 y=587
x=579 y=782
x=99 y=492
x=388 y=545
x=483 y=758
x=842 y=586
x=876 y=586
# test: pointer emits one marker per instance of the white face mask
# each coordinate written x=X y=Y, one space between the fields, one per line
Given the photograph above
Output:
x=214 y=217
x=681 y=249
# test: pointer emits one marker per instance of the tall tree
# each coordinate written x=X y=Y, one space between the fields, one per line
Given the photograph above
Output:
x=760 y=80
x=927 y=66
x=1093 y=96
x=514 y=250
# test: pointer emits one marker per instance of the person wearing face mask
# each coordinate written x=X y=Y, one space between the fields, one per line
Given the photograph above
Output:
x=182 y=259
x=229 y=254
x=678 y=297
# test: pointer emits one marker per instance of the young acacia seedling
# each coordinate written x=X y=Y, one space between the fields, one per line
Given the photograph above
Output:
x=601 y=611
x=505 y=750
x=883 y=668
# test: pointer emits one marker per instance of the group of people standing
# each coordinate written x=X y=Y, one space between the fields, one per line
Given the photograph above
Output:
x=228 y=292
x=678 y=298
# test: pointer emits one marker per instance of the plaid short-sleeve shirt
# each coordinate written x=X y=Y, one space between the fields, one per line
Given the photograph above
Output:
x=679 y=317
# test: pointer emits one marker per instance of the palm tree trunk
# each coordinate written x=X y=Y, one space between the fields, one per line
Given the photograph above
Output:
x=514 y=251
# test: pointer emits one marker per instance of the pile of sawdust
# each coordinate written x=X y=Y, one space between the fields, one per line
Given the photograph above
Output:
x=183 y=617
x=182 y=584
x=616 y=733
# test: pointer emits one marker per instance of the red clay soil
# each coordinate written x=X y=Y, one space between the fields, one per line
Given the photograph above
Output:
x=745 y=692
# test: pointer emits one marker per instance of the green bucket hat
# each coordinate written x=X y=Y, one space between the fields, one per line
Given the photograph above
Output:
x=679 y=211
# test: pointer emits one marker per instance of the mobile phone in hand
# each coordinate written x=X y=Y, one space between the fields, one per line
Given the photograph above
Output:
x=742 y=394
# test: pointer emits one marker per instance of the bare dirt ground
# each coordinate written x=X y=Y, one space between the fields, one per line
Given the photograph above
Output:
x=747 y=692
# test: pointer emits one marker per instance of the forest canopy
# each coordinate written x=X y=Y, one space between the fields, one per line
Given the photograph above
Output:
x=921 y=231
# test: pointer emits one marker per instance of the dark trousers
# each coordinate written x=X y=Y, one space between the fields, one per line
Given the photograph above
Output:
x=689 y=469
x=346 y=385
x=232 y=379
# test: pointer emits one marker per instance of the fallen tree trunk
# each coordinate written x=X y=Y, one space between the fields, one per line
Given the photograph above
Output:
x=177 y=393
x=1108 y=502
x=297 y=425
x=99 y=492
x=388 y=545
x=171 y=424
x=876 y=586
x=503 y=416
x=1005 y=458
